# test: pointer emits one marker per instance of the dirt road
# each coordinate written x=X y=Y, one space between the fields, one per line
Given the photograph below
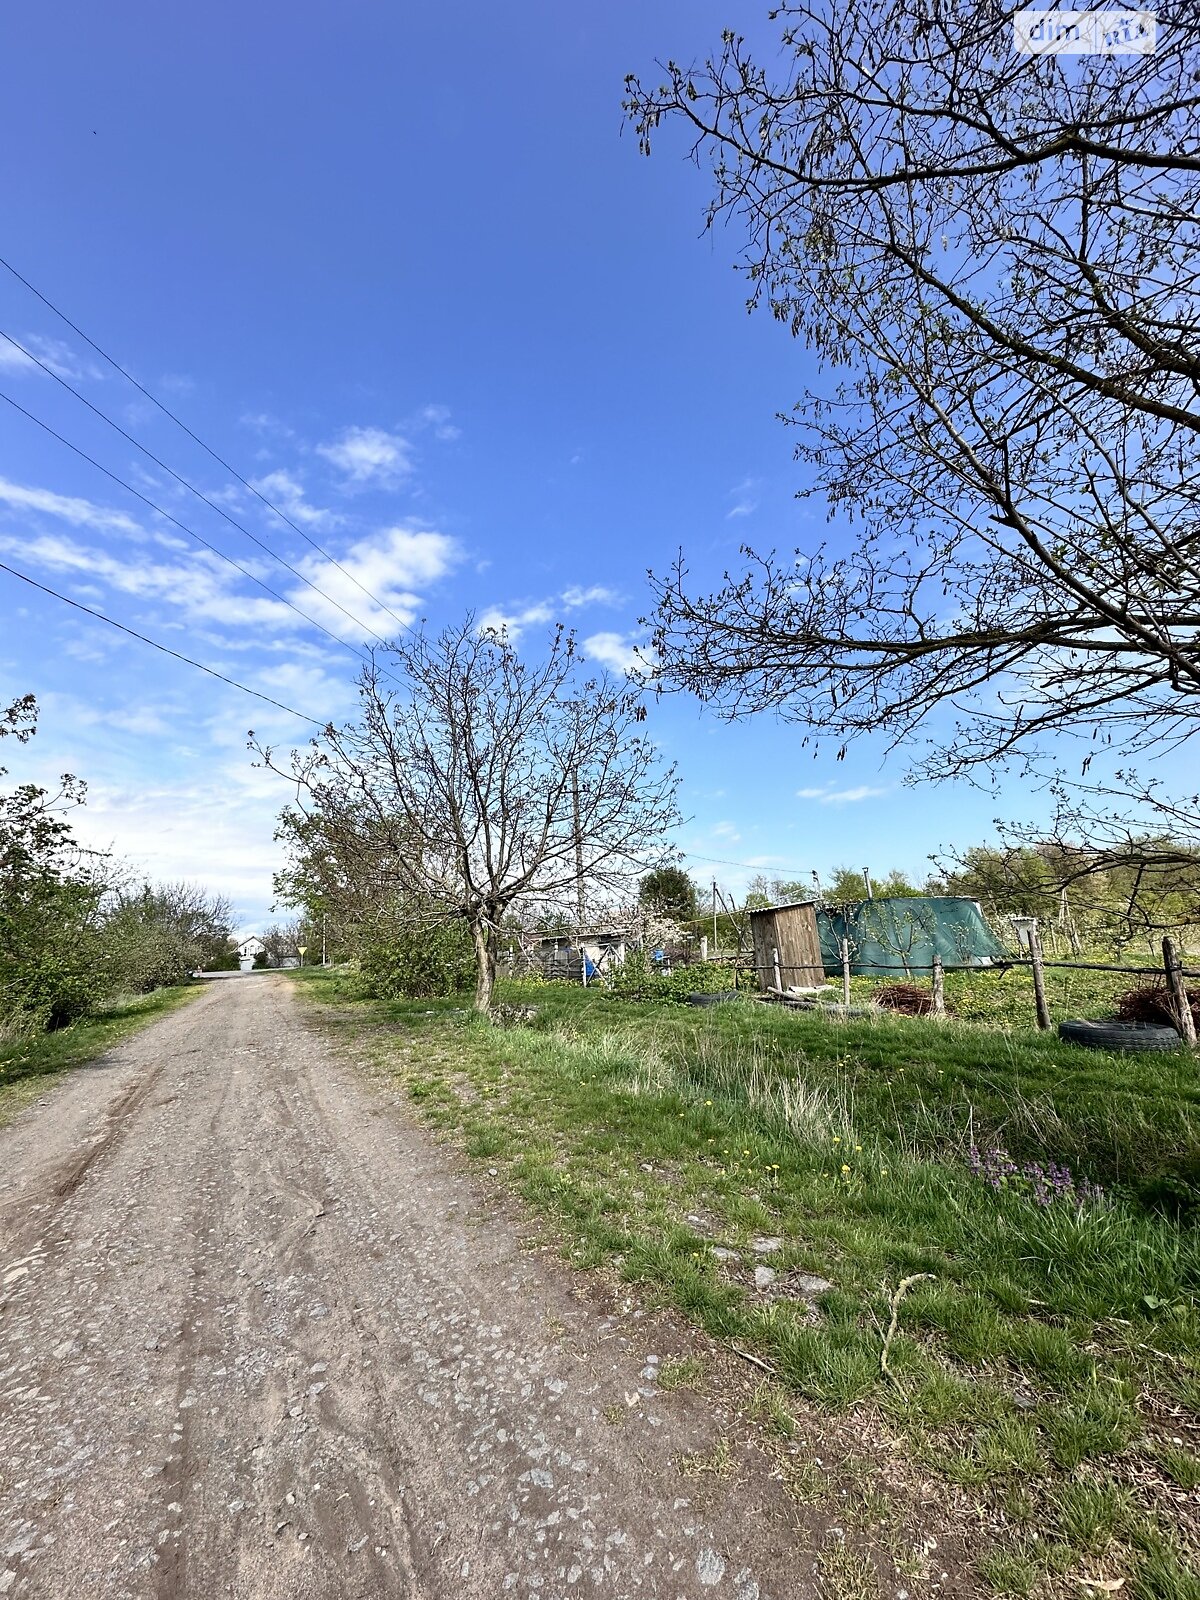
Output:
x=260 y=1336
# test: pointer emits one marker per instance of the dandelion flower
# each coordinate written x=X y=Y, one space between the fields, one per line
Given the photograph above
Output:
x=845 y=1169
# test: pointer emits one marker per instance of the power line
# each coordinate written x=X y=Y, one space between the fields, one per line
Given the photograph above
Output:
x=752 y=866
x=154 y=645
x=183 y=527
x=199 y=493
x=221 y=462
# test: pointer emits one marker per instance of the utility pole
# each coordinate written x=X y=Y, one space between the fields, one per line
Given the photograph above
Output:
x=324 y=963
x=578 y=852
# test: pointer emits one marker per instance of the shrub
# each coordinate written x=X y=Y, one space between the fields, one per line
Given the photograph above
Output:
x=638 y=979
x=417 y=963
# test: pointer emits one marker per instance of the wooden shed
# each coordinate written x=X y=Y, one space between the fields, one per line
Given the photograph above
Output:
x=787 y=946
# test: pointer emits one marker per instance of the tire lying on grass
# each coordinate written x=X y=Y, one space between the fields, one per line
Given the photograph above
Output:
x=720 y=997
x=1130 y=1036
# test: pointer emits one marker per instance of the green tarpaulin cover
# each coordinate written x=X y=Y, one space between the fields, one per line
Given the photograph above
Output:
x=903 y=935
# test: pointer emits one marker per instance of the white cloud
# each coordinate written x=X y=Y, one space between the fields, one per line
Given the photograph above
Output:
x=56 y=355
x=203 y=587
x=496 y=619
x=438 y=418
x=614 y=650
x=287 y=492
x=68 y=508
x=390 y=564
x=266 y=422
x=369 y=456
x=840 y=797
x=745 y=498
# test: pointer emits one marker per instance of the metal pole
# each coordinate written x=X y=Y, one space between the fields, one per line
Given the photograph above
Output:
x=867 y=881
x=1181 y=1006
x=716 y=943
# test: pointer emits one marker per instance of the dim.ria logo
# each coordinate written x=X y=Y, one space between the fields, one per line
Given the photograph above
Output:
x=1085 y=33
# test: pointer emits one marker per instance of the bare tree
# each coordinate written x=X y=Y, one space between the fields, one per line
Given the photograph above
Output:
x=993 y=257
x=474 y=780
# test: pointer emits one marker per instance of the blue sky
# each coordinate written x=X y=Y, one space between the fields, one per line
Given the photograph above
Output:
x=399 y=266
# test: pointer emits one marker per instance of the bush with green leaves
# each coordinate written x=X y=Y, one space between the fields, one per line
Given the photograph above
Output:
x=417 y=962
x=72 y=932
x=638 y=978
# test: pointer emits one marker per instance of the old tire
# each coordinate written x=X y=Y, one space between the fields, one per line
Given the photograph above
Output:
x=720 y=997
x=1134 y=1037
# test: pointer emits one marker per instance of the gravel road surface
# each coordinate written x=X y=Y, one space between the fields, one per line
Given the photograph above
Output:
x=261 y=1336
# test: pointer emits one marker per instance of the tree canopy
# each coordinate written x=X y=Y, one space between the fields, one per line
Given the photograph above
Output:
x=670 y=891
x=476 y=780
x=992 y=256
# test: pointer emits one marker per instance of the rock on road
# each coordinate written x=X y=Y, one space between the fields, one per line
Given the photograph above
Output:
x=261 y=1336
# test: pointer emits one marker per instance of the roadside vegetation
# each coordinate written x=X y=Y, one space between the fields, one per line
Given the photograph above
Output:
x=29 y=1059
x=79 y=933
x=1024 y=1210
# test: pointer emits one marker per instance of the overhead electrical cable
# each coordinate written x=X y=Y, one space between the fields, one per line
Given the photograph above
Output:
x=199 y=493
x=752 y=866
x=208 y=450
x=166 y=650
x=191 y=532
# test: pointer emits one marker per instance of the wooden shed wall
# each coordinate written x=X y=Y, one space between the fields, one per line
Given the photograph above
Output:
x=792 y=930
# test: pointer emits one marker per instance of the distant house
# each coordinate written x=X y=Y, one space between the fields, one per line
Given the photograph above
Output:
x=247 y=949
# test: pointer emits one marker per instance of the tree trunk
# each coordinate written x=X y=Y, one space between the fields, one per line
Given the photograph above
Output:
x=485 y=964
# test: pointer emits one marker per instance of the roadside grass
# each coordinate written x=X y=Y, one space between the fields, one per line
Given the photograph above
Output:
x=1047 y=1360
x=27 y=1060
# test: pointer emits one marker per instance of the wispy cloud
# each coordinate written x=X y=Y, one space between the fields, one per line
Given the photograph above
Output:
x=528 y=614
x=369 y=456
x=745 y=498
x=77 y=512
x=438 y=418
x=287 y=492
x=266 y=422
x=840 y=797
x=202 y=587
x=59 y=357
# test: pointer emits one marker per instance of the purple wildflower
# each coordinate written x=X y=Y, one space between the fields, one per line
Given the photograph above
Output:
x=1044 y=1183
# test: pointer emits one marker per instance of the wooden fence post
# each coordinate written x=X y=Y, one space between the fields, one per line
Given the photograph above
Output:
x=1039 y=980
x=939 y=986
x=845 y=972
x=775 y=961
x=1184 y=1020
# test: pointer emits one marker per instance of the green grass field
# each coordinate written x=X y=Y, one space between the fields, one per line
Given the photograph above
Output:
x=27 y=1061
x=1046 y=1358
